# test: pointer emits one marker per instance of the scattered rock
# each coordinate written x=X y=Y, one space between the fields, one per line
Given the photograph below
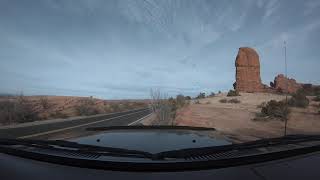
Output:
x=286 y=85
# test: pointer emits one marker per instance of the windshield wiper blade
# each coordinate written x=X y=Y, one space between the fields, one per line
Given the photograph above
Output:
x=189 y=152
x=149 y=127
x=52 y=144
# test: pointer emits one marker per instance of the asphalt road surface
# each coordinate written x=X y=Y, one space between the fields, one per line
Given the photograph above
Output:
x=74 y=128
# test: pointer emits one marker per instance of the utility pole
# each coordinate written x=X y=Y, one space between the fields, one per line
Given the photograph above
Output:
x=285 y=66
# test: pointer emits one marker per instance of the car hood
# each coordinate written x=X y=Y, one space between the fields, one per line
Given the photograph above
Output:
x=154 y=140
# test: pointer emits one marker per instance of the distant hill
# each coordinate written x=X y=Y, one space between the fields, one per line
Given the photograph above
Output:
x=19 y=109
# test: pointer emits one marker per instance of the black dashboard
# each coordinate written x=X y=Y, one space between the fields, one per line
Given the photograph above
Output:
x=298 y=167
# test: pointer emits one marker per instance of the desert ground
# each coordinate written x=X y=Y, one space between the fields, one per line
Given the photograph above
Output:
x=235 y=121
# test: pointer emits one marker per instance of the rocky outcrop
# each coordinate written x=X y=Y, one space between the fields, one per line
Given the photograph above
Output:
x=286 y=85
x=248 y=76
x=248 y=71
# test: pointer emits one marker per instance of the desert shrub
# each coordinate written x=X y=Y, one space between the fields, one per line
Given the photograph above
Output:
x=175 y=104
x=208 y=102
x=86 y=107
x=201 y=95
x=236 y=101
x=136 y=105
x=44 y=102
x=299 y=99
x=223 y=100
x=188 y=98
x=180 y=100
x=25 y=110
x=7 y=112
x=275 y=109
x=219 y=92
x=127 y=105
x=58 y=114
x=19 y=110
x=317 y=98
x=163 y=107
x=197 y=102
x=116 y=107
x=262 y=105
x=310 y=90
x=233 y=93
x=212 y=94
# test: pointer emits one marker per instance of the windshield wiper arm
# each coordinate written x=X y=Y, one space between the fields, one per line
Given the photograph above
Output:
x=79 y=147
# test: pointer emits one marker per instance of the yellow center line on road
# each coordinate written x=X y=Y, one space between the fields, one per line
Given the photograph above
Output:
x=81 y=125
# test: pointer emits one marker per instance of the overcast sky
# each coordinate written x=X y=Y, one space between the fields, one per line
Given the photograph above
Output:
x=123 y=48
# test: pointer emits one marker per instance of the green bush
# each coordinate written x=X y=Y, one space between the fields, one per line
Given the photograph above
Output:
x=223 y=100
x=299 y=99
x=236 y=101
x=275 y=109
x=201 y=95
x=233 y=93
x=212 y=94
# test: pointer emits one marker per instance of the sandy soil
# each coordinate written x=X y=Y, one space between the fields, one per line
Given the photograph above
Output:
x=236 y=120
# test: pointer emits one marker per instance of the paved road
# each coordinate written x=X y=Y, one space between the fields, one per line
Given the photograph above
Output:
x=74 y=128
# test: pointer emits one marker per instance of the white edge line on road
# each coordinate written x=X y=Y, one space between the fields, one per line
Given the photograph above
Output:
x=139 y=119
x=41 y=122
x=62 y=129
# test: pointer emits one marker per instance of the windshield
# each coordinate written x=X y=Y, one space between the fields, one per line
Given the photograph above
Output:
x=248 y=70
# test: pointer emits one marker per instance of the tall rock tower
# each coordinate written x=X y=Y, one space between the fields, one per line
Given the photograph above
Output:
x=248 y=71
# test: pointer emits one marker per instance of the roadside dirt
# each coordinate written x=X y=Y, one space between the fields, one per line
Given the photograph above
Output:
x=235 y=121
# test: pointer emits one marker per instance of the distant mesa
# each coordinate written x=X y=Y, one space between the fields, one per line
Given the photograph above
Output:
x=248 y=75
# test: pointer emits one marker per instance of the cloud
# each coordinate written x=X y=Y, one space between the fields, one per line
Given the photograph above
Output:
x=260 y=3
x=312 y=26
x=297 y=35
x=270 y=8
x=238 y=24
x=311 y=7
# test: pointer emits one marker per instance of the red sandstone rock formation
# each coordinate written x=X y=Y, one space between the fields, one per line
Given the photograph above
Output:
x=248 y=71
x=283 y=84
